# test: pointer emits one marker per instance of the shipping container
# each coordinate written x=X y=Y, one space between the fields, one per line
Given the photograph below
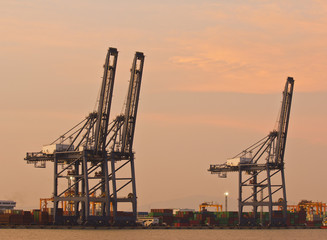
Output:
x=5 y=219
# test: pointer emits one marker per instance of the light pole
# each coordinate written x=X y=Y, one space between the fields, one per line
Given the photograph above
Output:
x=226 y=195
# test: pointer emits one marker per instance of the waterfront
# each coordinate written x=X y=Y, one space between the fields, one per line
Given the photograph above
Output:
x=158 y=234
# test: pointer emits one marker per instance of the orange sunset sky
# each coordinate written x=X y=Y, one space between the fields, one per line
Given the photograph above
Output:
x=213 y=76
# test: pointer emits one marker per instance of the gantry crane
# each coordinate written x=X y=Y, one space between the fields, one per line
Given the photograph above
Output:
x=316 y=208
x=258 y=169
x=204 y=205
x=84 y=157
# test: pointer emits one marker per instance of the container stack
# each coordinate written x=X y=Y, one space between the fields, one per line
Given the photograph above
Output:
x=165 y=216
x=16 y=217
x=183 y=218
x=27 y=218
x=36 y=216
x=314 y=220
x=173 y=218
x=296 y=218
x=225 y=219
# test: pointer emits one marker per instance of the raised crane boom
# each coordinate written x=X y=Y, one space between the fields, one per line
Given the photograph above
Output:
x=121 y=145
x=104 y=106
x=132 y=103
x=284 y=119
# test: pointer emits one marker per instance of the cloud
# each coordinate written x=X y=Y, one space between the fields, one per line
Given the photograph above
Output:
x=238 y=46
x=253 y=46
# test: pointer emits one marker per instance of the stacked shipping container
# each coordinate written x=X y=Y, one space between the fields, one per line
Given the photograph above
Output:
x=168 y=218
x=20 y=217
x=224 y=219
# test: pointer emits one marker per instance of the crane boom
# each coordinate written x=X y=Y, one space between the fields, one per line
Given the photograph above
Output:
x=105 y=100
x=132 y=102
x=284 y=119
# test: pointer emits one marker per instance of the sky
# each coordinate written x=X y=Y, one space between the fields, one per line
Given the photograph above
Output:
x=212 y=82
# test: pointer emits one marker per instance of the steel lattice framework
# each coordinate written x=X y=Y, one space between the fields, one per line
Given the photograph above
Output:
x=261 y=170
x=88 y=157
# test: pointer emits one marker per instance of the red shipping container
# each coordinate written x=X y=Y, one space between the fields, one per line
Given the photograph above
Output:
x=195 y=223
x=16 y=219
x=28 y=219
x=4 y=219
x=44 y=218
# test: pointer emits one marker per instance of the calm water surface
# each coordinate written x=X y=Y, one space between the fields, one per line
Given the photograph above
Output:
x=156 y=234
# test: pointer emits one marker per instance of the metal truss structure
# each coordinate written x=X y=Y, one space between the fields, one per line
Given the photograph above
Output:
x=261 y=171
x=94 y=160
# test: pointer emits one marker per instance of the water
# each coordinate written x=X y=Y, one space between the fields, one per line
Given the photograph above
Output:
x=156 y=234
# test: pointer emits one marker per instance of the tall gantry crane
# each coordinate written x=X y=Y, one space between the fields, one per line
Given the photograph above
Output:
x=260 y=169
x=85 y=156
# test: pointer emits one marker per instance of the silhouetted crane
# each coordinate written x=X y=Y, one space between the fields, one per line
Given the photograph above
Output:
x=262 y=162
x=87 y=156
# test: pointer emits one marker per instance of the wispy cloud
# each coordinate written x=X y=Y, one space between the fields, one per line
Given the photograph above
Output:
x=254 y=46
